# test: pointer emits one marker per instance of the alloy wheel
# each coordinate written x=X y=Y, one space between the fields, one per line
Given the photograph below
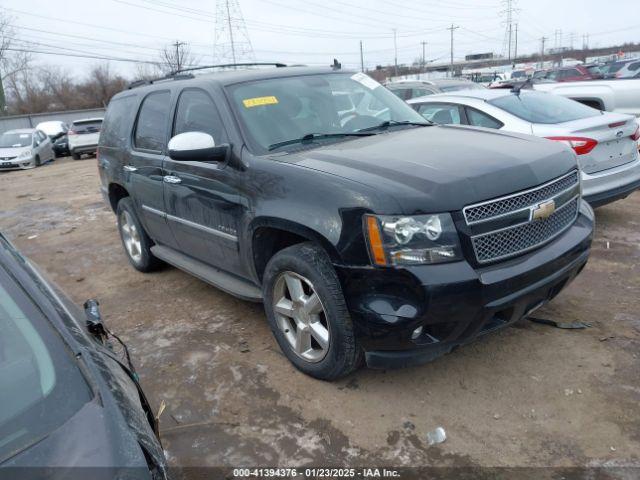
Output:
x=131 y=237
x=301 y=316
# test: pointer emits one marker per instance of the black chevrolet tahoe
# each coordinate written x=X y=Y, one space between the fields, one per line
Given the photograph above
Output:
x=368 y=233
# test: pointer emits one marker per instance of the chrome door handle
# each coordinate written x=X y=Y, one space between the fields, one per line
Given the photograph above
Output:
x=171 y=179
x=129 y=168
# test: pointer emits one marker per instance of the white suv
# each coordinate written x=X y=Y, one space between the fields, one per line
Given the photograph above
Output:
x=83 y=136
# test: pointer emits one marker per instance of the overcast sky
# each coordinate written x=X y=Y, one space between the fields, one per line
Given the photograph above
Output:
x=311 y=31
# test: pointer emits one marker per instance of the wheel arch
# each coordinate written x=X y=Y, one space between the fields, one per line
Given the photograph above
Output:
x=116 y=193
x=269 y=235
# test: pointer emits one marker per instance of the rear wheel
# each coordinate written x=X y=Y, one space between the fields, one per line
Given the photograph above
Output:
x=137 y=244
x=307 y=312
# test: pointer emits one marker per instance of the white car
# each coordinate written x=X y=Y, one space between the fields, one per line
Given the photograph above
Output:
x=610 y=95
x=606 y=143
x=24 y=148
x=83 y=137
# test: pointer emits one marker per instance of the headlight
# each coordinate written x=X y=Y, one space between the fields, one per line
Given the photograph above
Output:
x=25 y=154
x=415 y=240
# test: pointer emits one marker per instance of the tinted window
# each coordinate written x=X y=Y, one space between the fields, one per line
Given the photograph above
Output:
x=115 y=128
x=440 y=113
x=151 y=129
x=538 y=107
x=634 y=66
x=421 y=92
x=400 y=92
x=92 y=126
x=196 y=112
x=480 y=119
x=42 y=386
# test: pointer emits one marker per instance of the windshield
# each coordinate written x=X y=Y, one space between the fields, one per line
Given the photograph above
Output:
x=15 y=140
x=282 y=109
x=538 y=107
x=41 y=385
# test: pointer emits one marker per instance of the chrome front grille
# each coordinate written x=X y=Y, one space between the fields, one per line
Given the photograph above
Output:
x=512 y=225
x=513 y=241
x=518 y=201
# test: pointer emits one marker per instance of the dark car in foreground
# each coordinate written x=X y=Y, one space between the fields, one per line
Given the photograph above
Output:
x=70 y=407
x=366 y=233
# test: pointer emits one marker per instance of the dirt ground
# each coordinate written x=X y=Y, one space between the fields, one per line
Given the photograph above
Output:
x=531 y=395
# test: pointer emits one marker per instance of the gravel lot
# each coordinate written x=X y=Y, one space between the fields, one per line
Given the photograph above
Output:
x=531 y=395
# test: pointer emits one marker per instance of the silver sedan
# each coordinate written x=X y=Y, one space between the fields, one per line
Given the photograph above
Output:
x=606 y=143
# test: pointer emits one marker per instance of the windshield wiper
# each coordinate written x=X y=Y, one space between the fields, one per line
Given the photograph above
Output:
x=392 y=123
x=310 y=137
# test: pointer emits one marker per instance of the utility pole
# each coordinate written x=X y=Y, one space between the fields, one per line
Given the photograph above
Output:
x=515 y=55
x=424 y=60
x=179 y=55
x=361 y=58
x=510 y=28
x=233 y=45
x=452 y=28
x=395 y=50
x=543 y=41
x=231 y=42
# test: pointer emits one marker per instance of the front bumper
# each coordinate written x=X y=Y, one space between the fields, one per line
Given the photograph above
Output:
x=18 y=164
x=610 y=185
x=455 y=303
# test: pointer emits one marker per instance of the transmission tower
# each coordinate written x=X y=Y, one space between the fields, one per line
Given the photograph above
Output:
x=509 y=11
x=231 y=42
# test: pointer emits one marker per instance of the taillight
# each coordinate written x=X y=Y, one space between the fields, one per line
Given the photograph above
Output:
x=636 y=134
x=72 y=132
x=580 y=145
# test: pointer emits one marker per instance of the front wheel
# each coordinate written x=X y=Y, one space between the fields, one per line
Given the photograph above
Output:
x=75 y=156
x=307 y=312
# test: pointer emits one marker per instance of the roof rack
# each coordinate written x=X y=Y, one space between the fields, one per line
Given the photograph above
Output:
x=181 y=75
x=230 y=65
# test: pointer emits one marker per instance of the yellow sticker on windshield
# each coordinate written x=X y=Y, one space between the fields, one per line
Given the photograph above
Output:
x=259 y=101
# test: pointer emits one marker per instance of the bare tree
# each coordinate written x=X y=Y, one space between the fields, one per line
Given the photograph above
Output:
x=101 y=85
x=175 y=57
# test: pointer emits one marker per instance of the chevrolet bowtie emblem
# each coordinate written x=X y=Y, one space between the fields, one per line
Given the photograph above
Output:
x=543 y=210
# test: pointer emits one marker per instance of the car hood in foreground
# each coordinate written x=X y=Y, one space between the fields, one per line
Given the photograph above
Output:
x=441 y=168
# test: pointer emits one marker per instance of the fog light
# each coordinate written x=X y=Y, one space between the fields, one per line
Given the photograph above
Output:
x=416 y=333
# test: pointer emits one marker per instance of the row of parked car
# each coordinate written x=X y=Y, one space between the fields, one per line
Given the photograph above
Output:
x=606 y=143
x=31 y=147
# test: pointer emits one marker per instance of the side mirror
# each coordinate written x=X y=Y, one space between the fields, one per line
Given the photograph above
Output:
x=197 y=147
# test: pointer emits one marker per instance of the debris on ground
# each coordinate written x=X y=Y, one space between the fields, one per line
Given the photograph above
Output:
x=563 y=325
x=436 y=436
x=31 y=237
x=244 y=346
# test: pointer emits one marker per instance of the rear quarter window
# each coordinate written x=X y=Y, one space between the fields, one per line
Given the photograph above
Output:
x=543 y=108
x=153 y=121
x=117 y=122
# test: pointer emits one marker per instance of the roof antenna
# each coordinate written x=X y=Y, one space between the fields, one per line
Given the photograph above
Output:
x=336 y=65
x=527 y=83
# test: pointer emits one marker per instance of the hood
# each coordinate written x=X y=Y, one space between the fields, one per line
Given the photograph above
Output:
x=441 y=168
x=12 y=151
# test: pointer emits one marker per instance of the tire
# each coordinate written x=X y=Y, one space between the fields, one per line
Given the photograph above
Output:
x=75 y=156
x=38 y=162
x=307 y=262
x=139 y=255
